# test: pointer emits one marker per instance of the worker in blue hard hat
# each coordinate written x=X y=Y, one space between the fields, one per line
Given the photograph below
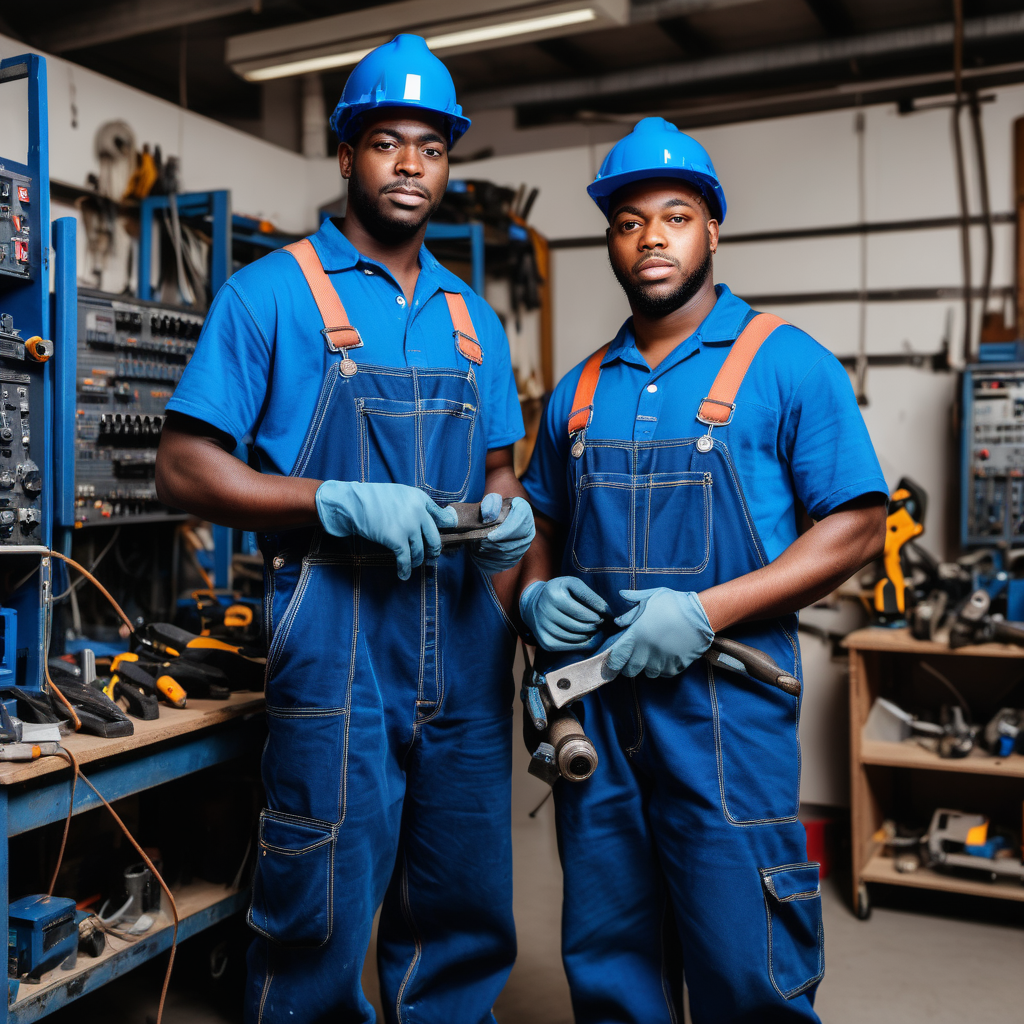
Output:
x=669 y=481
x=376 y=390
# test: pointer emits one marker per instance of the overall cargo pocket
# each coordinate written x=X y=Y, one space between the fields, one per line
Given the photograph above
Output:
x=293 y=887
x=796 y=940
x=757 y=745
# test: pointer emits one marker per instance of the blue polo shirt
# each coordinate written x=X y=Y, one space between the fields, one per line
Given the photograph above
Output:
x=796 y=435
x=260 y=360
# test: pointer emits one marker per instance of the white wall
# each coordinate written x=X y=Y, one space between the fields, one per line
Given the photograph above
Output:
x=266 y=181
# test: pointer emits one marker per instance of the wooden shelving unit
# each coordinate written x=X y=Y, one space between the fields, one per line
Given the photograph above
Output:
x=877 y=658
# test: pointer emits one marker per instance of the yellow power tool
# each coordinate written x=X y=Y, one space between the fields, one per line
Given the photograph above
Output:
x=904 y=523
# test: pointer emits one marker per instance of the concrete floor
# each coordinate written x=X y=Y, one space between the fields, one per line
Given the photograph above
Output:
x=920 y=958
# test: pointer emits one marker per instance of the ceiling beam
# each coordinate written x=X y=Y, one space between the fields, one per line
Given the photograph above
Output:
x=745 y=65
x=691 y=41
x=129 y=18
x=832 y=15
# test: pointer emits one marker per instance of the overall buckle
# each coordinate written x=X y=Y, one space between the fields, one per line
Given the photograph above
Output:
x=328 y=331
x=731 y=406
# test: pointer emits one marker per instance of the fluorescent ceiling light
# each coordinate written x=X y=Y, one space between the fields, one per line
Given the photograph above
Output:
x=510 y=28
x=445 y=41
x=305 y=67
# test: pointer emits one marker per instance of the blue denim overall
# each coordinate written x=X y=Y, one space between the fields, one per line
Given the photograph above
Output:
x=686 y=839
x=387 y=766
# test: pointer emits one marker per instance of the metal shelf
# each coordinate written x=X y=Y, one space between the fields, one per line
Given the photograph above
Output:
x=200 y=905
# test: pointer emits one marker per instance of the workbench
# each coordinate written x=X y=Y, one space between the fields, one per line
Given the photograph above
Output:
x=886 y=778
x=178 y=743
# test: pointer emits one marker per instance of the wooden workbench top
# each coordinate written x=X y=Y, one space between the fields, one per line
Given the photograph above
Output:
x=200 y=714
x=899 y=641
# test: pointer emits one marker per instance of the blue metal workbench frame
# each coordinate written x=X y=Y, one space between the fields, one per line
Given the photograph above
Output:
x=44 y=800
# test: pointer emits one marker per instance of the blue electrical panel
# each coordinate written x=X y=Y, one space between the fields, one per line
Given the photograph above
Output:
x=992 y=455
x=33 y=333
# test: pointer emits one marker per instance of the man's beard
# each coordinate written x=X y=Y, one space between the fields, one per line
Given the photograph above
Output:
x=654 y=307
x=376 y=219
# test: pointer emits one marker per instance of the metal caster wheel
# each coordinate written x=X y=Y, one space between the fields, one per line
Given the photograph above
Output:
x=863 y=902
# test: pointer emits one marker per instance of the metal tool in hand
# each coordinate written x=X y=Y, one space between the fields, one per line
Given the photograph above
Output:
x=569 y=683
x=471 y=525
x=566 y=751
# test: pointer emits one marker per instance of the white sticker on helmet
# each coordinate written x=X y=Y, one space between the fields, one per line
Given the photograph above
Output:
x=412 y=87
x=668 y=157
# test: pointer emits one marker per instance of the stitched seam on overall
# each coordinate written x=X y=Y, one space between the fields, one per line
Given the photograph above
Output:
x=581 y=489
x=303 y=712
x=632 y=517
x=266 y=985
x=673 y=1018
x=719 y=756
x=407 y=914
x=268 y=616
x=343 y=791
x=630 y=751
x=497 y=604
x=439 y=678
x=706 y=484
x=423 y=632
x=319 y=414
x=793 y=992
x=287 y=620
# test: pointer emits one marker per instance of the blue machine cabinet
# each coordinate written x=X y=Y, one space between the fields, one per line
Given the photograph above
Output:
x=992 y=455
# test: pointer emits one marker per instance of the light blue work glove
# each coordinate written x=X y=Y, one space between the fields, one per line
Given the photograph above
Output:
x=668 y=631
x=402 y=518
x=562 y=614
x=502 y=548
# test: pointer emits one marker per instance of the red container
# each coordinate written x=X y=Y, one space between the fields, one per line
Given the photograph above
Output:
x=819 y=843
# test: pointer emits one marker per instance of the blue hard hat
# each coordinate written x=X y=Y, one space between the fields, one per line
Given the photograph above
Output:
x=657 y=149
x=402 y=73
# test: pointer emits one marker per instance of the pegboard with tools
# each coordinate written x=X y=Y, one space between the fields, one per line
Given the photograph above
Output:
x=992 y=484
x=130 y=355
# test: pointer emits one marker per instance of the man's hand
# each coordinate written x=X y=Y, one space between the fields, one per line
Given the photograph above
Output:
x=562 y=614
x=402 y=518
x=506 y=545
x=667 y=631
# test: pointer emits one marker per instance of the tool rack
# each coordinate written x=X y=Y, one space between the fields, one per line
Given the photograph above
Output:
x=34 y=794
x=885 y=776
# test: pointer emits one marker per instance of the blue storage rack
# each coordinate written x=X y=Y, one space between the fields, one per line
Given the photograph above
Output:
x=37 y=794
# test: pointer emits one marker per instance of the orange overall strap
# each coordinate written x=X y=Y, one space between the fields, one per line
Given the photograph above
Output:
x=325 y=295
x=465 y=333
x=718 y=406
x=583 y=400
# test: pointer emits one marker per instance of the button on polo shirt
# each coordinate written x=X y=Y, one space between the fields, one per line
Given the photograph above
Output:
x=261 y=358
x=795 y=414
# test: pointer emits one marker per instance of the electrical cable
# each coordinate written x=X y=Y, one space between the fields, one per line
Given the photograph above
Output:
x=73 y=762
x=99 y=586
x=92 y=568
x=945 y=682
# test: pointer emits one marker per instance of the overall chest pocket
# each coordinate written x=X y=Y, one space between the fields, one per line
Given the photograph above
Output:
x=658 y=522
x=676 y=521
x=426 y=443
